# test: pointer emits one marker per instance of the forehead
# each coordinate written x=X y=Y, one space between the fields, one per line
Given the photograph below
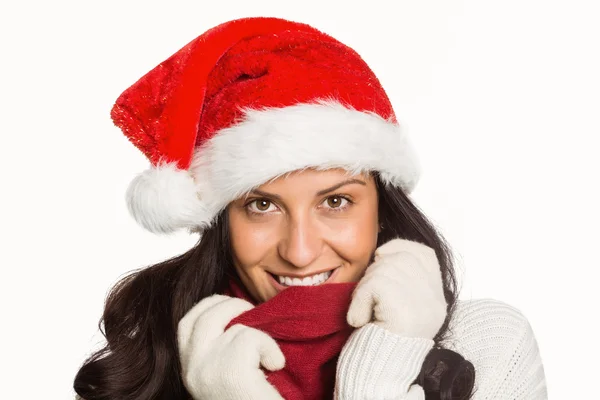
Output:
x=314 y=178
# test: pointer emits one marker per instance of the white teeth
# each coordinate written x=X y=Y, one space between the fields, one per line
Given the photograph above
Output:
x=308 y=281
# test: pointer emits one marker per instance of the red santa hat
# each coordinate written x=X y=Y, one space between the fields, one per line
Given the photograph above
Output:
x=246 y=102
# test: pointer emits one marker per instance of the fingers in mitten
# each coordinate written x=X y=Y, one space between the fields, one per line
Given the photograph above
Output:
x=187 y=323
x=212 y=322
x=372 y=269
x=385 y=265
x=408 y=265
x=257 y=347
x=360 y=312
x=390 y=266
x=210 y=325
x=388 y=307
x=417 y=257
x=393 y=246
x=403 y=266
x=404 y=245
x=430 y=260
x=395 y=266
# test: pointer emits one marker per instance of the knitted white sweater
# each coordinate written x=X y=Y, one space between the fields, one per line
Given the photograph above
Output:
x=494 y=336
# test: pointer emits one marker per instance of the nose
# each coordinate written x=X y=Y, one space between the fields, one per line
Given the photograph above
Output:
x=301 y=242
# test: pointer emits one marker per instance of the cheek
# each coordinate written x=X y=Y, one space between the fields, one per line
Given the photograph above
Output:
x=249 y=243
x=356 y=239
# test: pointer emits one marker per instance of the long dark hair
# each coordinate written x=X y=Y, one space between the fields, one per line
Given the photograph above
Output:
x=142 y=311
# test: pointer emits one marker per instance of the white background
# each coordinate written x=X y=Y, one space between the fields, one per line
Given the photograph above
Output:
x=501 y=99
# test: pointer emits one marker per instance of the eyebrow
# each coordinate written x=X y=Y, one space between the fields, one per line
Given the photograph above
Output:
x=319 y=193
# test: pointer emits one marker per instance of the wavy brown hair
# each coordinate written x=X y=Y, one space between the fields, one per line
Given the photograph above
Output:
x=142 y=311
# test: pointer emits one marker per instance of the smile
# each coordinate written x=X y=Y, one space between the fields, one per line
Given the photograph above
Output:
x=312 y=280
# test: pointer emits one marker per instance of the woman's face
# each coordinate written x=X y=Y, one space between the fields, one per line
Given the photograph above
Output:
x=309 y=227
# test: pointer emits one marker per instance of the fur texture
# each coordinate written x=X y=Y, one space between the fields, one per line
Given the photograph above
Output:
x=163 y=199
x=271 y=142
x=265 y=145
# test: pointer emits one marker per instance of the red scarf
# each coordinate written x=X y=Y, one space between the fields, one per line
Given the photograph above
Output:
x=309 y=325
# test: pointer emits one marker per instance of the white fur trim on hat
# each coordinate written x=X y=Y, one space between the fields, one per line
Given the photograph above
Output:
x=164 y=198
x=266 y=144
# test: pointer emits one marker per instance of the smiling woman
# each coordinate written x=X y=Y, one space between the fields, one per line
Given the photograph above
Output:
x=307 y=228
x=315 y=276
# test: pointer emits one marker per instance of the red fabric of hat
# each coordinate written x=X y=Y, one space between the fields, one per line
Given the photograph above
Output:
x=245 y=102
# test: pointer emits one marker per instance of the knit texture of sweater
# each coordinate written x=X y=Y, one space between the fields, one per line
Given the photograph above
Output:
x=494 y=336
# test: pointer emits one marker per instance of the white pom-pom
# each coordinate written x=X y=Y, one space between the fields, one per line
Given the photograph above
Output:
x=164 y=199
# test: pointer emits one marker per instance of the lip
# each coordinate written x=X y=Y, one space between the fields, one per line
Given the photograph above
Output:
x=280 y=287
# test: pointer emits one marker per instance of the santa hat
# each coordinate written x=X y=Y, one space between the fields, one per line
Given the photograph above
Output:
x=246 y=102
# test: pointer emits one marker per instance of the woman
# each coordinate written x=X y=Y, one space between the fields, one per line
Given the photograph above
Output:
x=315 y=276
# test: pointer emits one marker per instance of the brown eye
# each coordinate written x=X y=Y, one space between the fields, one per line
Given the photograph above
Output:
x=334 y=201
x=262 y=205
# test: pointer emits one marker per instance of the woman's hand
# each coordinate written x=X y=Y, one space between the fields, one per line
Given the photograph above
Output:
x=398 y=306
x=401 y=291
x=219 y=364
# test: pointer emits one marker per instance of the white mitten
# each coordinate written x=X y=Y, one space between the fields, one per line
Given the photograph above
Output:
x=401 y=291
x=219 y=364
